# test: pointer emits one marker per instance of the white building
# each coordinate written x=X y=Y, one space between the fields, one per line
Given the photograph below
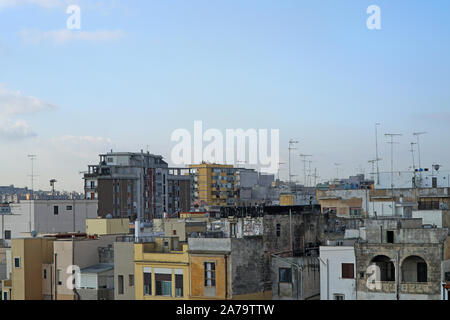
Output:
x=337 y=271
x=47 y=216
x=434 y=218
x=410 y=179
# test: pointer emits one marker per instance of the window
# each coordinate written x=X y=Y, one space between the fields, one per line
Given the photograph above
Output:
x=7 y=234
x=17 y=262
x=178 y=285
x=355 y=211
x=109 y=160
x=131 y=280
x=120 y=286
x=45 y=273
x=338 y=296
x=59 y=272
x=278 y=230
x=68 y=208
x=147 y=282
x=174 y=232
x=421 y=272
x=233 y=229
x=348 y=271
x=285 y=275
x=390 y=236
x=163 y=284
x=5 y=295
x=210 y=274
x=55 y=210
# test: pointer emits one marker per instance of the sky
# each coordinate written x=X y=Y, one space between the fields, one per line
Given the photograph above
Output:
x=139 y=69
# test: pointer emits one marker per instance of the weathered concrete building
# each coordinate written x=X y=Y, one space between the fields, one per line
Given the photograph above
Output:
x=399 y=260
x=227 y=268
x=295 y=278
x=344 y=203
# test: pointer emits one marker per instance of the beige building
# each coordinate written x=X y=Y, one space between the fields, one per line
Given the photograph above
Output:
x=83 y=253
x=107 y=226
x=31 y=269
x=183 y=227
x=124 y=288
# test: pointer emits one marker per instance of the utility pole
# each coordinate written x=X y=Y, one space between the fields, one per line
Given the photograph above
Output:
x=337 y=171
x=32 y=157
x=417 y=135
x=373 y=168
x=304 y=156
x=377 y=159
x=315 y=177
x=392 y=136
x=291 y=143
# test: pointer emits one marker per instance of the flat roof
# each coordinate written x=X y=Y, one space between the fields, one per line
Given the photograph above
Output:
x=98 y=268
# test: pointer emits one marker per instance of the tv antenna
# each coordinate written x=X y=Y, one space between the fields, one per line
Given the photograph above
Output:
x=292 y=142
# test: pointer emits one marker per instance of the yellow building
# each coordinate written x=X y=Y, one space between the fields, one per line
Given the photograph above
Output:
x=287 y=199
x=32 y=259
x=161 y=270
x=214 y=184
x=107 y=226
x=210 y=274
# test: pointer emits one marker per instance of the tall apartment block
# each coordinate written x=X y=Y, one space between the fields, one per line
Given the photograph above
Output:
x=215 y=184
x=180 y=191
x=126 y=184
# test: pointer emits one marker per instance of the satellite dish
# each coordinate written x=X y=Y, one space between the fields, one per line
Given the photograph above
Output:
x=436 y=167
x=109 y=216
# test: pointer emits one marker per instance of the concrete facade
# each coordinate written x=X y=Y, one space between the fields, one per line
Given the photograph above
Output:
x=332 y=285
x=79 y=252
x=305 y=278
x=124 y=267
x=47 y=216
x=403 y=265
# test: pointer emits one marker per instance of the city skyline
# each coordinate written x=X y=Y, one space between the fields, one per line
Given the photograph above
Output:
x=136 y=72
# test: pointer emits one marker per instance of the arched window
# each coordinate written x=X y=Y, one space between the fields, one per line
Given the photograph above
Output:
x=414 y=269
x=386 y=267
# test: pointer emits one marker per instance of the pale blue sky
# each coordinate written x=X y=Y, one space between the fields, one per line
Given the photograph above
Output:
x=309 y=68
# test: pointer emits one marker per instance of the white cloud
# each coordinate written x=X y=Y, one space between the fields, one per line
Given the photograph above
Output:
x=81 y=147
x=15 y=129
x=64 y=35
x=40 y=3
x=13 y=103
x=82 y=140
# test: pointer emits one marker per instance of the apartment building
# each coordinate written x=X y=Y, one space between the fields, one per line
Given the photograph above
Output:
x=46 y=216
x=180 y=190
x=215 y=184
x=161 y=269
x=31 y=269
x=129 y=185
x=83 y=252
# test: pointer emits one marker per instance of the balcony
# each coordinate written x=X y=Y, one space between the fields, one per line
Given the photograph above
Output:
x=416 y=287
x=383 y=286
